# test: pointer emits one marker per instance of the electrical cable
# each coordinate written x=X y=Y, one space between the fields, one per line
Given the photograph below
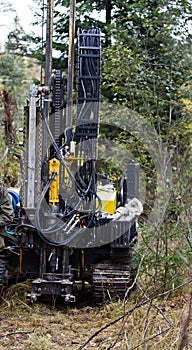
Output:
x=80 y=183
x=60 y=156
x=37 y=218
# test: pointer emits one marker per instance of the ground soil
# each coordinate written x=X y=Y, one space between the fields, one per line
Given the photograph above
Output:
x=159 y=324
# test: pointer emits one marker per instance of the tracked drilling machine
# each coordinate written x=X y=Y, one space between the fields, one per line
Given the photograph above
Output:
x=69 y=228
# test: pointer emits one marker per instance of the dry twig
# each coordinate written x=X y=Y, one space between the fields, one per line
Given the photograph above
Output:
x=185 y=333
x=129 y=312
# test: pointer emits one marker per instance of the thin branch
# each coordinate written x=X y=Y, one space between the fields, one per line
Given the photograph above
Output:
x=112 y=323
x=135 y=279
x=4 y=154
x=16 y=332
x=151 y=338
x=124 y=299
x=185 y=330
x=157 y=307
x=129 y=312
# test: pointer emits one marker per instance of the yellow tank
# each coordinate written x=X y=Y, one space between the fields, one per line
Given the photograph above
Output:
x=108 y=196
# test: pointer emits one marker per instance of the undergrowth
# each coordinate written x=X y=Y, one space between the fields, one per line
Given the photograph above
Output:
x=143 y=321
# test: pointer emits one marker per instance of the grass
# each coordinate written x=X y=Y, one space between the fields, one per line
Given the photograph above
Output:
x=156 y=324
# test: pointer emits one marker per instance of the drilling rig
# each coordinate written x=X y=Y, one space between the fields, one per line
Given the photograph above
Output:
x=71 y=226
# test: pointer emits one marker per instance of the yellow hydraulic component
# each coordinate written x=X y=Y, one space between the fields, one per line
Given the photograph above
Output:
x=54 y=165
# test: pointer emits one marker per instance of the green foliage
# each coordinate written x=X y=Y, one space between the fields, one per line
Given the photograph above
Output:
x=12 y=73
x=15 y=69
x=148 y=85
x=165 y=255
x=14 y=64
x=16 y=43
x=148 y=69
x=11 y=171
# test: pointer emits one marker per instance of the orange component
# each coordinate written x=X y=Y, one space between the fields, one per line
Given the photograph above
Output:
x=20 y=260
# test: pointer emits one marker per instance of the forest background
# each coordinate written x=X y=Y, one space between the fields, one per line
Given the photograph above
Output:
x=146 y=79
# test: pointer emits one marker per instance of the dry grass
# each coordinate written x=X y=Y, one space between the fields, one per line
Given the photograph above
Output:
x=156 y=324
